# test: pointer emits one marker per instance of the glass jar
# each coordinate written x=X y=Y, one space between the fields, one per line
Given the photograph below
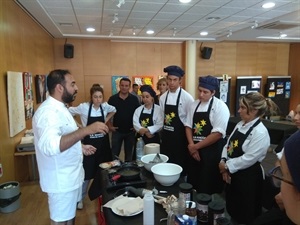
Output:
x=202 y=207
x=185 y=192
x=216 y=209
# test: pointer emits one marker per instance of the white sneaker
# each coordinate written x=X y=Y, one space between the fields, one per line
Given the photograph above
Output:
x=80 y=205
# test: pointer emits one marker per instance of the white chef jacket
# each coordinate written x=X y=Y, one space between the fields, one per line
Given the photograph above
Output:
x=219 y=114
x=255 y=146
x=59 y=171
x=158 y=118
x=185 y=102
x=83 y=110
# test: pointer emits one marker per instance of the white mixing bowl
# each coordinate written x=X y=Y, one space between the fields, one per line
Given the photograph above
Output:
x=147 y=158
x=166 y=173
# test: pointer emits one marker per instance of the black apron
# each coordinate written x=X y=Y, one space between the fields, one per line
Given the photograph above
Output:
x=174 y=142
x=99 y=141
x=146 y=120
x=244 y=194
x=205 y=175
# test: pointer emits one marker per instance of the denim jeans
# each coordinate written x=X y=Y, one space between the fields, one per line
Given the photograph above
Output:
x=117 y=139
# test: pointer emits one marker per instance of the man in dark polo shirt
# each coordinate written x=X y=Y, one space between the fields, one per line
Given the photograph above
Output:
x=121 y=124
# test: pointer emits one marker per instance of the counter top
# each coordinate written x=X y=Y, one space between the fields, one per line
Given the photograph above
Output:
x=98 y=187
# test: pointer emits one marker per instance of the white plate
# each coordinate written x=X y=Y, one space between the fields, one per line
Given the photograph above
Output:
x=116 y=211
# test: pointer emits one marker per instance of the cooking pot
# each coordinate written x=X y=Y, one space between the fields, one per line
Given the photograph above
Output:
x=129 y=171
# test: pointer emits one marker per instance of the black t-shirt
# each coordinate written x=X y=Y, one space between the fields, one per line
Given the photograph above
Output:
x=123 y=118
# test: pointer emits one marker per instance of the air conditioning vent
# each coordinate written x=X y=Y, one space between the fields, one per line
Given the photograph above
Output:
x=278 y=25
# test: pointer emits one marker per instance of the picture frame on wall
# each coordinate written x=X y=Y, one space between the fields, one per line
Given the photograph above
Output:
x=142 y=80
x=41 y=88
x=115 y=80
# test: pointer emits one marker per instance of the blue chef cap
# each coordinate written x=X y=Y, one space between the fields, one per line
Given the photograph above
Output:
x=174 y=70
x=209 y=82
x=148 y=89
x=292 y=156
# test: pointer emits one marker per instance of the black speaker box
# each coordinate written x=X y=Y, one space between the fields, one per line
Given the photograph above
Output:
x=68 y=51
x=206 y=52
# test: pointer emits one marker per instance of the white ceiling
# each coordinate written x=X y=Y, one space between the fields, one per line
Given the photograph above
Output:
x=170 y=19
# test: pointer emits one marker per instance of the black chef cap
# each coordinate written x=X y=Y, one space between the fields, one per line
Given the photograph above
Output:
x=209 y=82
x=174 y=70
x=148 y=89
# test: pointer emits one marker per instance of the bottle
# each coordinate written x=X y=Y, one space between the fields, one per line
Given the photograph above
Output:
x=148 y=213
x=191 y=211
x=139 y=151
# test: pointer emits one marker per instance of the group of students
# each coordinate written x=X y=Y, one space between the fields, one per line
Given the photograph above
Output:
x=191 y=132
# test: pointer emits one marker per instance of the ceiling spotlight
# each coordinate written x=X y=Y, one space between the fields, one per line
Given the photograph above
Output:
x=121 y=2
x=174 y=32
x=268 y=5
x=255 y=25
x=282 y=35
x=90 y=29
x=150 y=31
x=229 y=33
x=116 y=19
x=203 y=33
x=134 y=31
x=185 y=1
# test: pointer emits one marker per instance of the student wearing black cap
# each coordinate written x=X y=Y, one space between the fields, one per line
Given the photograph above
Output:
x=148 y=118
x=175 y=103
x=205 y=130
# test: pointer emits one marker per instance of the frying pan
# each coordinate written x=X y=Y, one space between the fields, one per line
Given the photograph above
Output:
x=129 y=171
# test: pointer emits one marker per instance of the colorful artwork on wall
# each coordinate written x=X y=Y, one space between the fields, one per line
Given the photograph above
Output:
x=28 y=95
x=142 y=80
x=115 y=80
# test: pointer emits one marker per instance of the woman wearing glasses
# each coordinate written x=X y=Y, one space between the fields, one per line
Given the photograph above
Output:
x=277 y=214
x=240 y=165
x=287 y=177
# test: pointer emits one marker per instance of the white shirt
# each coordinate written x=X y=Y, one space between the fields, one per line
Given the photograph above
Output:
x=255 y=146
x=83 y=110
x=59 y=171
x=158 y=118
x=185 y=102
x=219 y=114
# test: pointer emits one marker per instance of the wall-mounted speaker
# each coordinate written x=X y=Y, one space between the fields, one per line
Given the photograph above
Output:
x=206 y=52
x=68 y=51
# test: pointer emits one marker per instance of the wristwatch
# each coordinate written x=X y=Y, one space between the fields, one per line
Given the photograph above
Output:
x=223 y=159
x=225 y=166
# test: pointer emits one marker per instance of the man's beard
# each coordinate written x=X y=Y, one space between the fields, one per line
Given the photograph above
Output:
x=68 y=97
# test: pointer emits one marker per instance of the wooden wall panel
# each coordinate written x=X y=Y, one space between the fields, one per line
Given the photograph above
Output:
x=24 y=46
x=148 y=58
x=171 y=54
x=123 y=58
x=294 y=71
x=96 y=57
x=225 y=58
x=246 y=59
x=282 y=65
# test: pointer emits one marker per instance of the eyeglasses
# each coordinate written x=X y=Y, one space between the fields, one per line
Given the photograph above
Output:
x=277 y=177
